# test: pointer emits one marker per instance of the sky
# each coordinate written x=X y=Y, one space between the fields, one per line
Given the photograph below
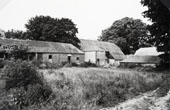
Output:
x=90 y=16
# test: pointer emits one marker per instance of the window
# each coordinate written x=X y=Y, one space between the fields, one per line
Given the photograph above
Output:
x=50 y=57
x=77 y=58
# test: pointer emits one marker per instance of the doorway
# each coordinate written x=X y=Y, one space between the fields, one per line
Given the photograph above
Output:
x=69 y=59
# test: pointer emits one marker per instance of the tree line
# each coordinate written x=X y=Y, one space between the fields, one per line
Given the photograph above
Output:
x=46 y=28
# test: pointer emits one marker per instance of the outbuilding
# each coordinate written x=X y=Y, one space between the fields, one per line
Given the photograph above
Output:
x=53 y=52
x=144 y=56
x=101 y=53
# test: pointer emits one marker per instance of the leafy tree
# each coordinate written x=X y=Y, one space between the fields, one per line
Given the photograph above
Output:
x=159 y=14
x=16 y=34
x=46 y=28
x=128 y=33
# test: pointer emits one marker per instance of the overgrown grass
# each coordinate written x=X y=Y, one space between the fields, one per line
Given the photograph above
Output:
x=91 y=88
x=83 y=89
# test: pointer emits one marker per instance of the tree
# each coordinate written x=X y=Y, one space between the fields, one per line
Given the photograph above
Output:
x=46 y=28
x=159 y=14
x=128 y=33
x=16 y=34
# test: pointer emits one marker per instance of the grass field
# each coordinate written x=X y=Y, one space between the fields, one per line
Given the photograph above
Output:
x=94 y=88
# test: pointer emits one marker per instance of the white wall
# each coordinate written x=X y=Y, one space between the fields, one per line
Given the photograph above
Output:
x=90 y=56
x=93 y=56
x=102 y=58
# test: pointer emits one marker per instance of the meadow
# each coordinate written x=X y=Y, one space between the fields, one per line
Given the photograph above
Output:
x=95 y=88
x=28 y=87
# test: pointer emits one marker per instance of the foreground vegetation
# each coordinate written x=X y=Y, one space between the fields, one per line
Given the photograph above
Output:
x=75 y=88
x=94 y=88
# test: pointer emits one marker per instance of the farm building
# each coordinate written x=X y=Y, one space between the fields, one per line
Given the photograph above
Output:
x=148 y=55
x=101 y=53
x=147 y=51
x=46 y=51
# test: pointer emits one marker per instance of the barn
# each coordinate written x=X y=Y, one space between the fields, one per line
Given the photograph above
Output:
x=144 y=56
x=47 y=51
x=101 y=53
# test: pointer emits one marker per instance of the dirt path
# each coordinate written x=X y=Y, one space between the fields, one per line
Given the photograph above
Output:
x=147 y=101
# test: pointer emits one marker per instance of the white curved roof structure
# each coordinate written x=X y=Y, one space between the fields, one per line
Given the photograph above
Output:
x=147 y=51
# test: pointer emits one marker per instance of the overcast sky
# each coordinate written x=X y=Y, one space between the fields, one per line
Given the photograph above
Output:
x=90 y=16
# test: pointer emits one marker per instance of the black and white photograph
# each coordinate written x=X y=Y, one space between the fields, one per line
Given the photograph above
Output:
x=84 y=54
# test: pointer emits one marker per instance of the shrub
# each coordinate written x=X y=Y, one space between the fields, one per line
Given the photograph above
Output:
x=2 y=63
x=20 y=74
x=88 y=64
x=63 y=63
x=74 y=64
x=35 y=94
x=18 y=51
x=36 y=63
x=129 y=65
x=26 y=86
x=52 y=65
x=6 y=101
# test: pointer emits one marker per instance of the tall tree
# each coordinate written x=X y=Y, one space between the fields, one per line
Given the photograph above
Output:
x=159 y=14
x=46 y=28
x=128 y=33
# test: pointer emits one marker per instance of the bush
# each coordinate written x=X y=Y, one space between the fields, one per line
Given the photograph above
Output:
x=52 y=65
x=35 y=94
x=129 y=65
x=2 y=63
x=74 y=64
x=21 y=74
x=6 y=101
x=88 y=64
x=18 y=52
x=36 y=63
x=24 y=84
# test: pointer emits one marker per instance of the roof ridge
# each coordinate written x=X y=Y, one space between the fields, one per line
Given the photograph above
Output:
x=35 y=41
x=98 y=41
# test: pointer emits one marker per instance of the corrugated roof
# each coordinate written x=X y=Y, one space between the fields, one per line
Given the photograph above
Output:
x=147 y=55
x=92 y=45
x=147 y=51
x=43 y=46
x=142 y=59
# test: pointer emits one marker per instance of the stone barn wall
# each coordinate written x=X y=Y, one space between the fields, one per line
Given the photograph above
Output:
x=59 y=58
